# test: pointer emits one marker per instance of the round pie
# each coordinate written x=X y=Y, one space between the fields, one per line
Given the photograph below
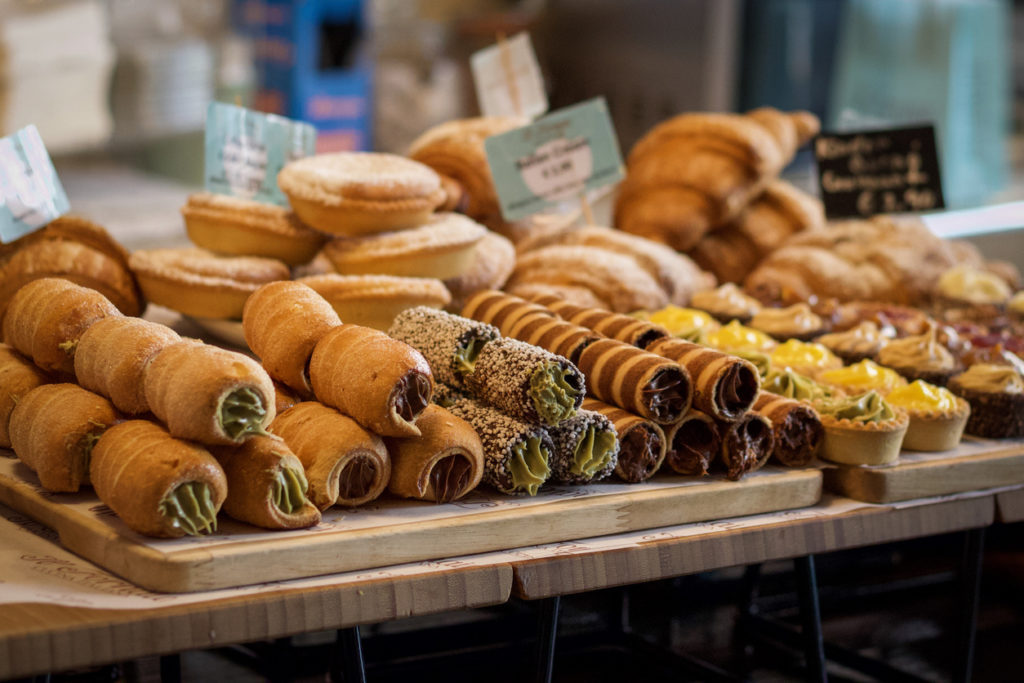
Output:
x=937 y=416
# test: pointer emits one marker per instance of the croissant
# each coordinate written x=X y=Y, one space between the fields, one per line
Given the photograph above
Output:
x=18 y=376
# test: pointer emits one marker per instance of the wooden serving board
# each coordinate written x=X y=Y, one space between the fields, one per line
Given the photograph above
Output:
x=392 y=531
x=974 y=464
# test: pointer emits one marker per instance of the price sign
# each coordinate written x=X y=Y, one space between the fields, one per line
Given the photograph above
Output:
x=556 y=158
x=245 y=150
x=879 y=171
x=30 y=191
x=508 y=79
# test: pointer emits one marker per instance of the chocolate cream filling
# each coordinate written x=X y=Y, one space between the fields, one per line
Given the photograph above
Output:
x=449 y=477
x=189 y=507
x=639 y=452
x=693 y=447
x=736 y=390
x=288 y=490
x=555 y=391
x=242 y=413
x=357 y=477
x=411 y=395
x=745 y=443
x=797 y=437
x=667 y=394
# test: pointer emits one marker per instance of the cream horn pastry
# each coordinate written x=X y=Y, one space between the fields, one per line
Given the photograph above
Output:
x=724 y=386
x=638 y=381
x=18 y=376
x=156 y=484
x=554 y=334
x=517 y=454
x=112 y=355
x=443 y=464
x=380 y=382
x=796 y=428
x=345 y=464
x=450 y=343
x=747 y=444
x=625 y=328
x=526 y=382
x=693 y=444
x=282 y=322
x=266 y=484
x=284 y=398
x=642 y=443
x=501 y=310
x=586 y=448
x=53 y=431
x=209 y=394
x=46 y=318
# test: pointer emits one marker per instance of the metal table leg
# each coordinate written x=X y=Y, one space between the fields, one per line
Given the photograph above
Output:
x=352 y=665
x=170 y=668
x=547 y=630
x=970 y=581
x=810 y=617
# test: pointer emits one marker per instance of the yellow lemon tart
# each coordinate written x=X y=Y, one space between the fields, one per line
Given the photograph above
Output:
x=937 y=416
x=863 y=376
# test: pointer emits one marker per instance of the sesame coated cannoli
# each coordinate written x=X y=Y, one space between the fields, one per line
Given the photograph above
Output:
x=554 y=334
x=693 y=443
x=526 y=382
x=795 y=425
x=502 y=310
x=586 y=448
x=450 y=343
x=18 y=376
x=747 y=444
x=635 y=380
x=445 y=396
x=516 y=454
x=724 y=386
x=642 y=443
x=625 y=328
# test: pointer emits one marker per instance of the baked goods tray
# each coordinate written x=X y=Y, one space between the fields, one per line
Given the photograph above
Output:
x=392 y=531
x=975 y=464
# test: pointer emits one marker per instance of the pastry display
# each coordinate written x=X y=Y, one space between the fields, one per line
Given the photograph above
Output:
x=358 y=193
x=54 y=429
x=724 y=386
x=796 y=428
x=18 y=376
x=862 y=429
x=243 y=227
x=687 y=323
x=502 y=310
x=266 y=484
x=625 y=328
x=920 y=357
x=806 y=358
x=937 y=416
x=970 y=285
x=727 y=303
x=450 y=343
x=156 y=484
x=861 y=377
x=642 y=442
x=586 y=448
x=494 y=259
x=785 y=382
x=747 y=443
x=737 y=337
x=996 y=395
x=47 y=317
x=860 y=342
x=375 y=300
x=345 y=464
x=792 y=322
x=442 y=464
x=892 y=320
x=693 y=444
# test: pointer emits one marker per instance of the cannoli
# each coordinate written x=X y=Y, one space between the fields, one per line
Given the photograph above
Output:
x=517 y=455
x=555 y=335
x=380 y=382
x=53 y=430
x=642 y=443
x=586 y=448
x=158 y=485
x=450 y=343
x=693 y=443
x=112 y=355
x=345 y=464
x=282 y=322
x=724 y=386
x=46 y=318
x=747 y=443
x=445 y=396
x=625 y=328
x=636 y=380
x=18 y=376
x=443 y=464
x=266 y=484
x=796 y=428
x=208 y=394
x=284 y=398
x=501 y=310
x=526 y=382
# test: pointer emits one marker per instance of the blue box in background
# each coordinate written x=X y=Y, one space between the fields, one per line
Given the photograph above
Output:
x=312 y=65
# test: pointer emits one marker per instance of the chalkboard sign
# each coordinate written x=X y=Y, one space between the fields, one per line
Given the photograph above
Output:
x=878 y=171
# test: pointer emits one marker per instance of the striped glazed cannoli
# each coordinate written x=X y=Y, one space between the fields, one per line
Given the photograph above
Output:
x=625 y=328
x=450 y=343
x=516 y=454
x=724 y=386
x=501 y=310
x=554 y=334
x=795 y=425
x=693 y=443
x=586 y=448
x=747 y=444
x=635 y=380
x=641 y=442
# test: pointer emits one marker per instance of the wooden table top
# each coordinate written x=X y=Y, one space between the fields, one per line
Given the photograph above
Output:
x=1010 y=505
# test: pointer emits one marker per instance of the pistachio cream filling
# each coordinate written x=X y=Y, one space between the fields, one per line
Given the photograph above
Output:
x=793 y=385
x=554 y=396
x=465 y=356
x=866 y=407
x=189 y=507
x=529 y=465
x=242 y=412
x=288 y=490
x=593 y=452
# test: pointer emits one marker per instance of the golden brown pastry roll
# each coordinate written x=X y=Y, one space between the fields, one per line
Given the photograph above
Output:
x=284 y=398
x=266 y=484
x=747 y=444
x=501 y=310
x=443 y=464
x=282 y=322
x=47 y=317
x=156 y=484
x=642 y=443
x=625 y=328
x=381 y=383
x=209 y=394
x=53 y=430
x=18 y=376
x=345 y=464
x=796 y=426
x=693 y=443
x=724 y=386
x=112 y=354
x=555 y=335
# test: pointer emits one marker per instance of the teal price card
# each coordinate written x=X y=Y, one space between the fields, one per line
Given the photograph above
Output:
x=30 y=191
x=245 y=149
x=554 y=159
